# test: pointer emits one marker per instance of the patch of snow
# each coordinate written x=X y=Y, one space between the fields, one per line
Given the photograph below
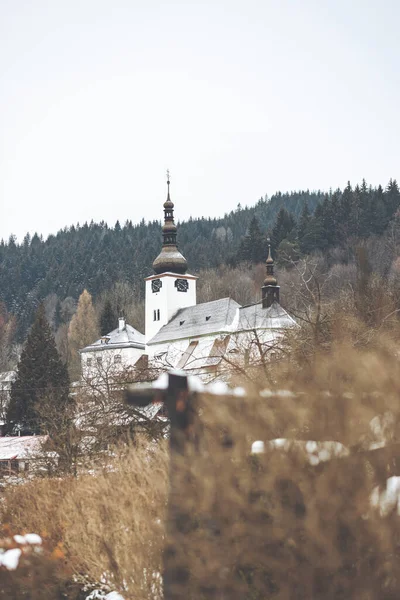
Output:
x=218 y=388
x=29 y=538
x=383 y=426
x=10 y=559
x=279 y=443
x=96 y=595
x=33 y=538
x=258 y=447
x=20 y=539
x=195 y=384
x=239 y=391
x=311 y=446
x=376 y=446
x=314 y=452
x=387 y=500
x=162 y=382
x=279 y=393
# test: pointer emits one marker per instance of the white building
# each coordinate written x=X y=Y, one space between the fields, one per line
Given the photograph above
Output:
x=119 y=349
x=179 y=333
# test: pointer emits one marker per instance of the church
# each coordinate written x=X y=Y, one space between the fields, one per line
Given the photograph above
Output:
x=206 y=339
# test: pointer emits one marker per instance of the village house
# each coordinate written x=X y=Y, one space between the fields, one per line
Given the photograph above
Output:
x=116 y=351
x=206 y=339
x=20 y=454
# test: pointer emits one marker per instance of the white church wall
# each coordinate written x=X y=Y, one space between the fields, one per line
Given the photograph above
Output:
x=161 y=306
x=173 y=351
x=244 y=347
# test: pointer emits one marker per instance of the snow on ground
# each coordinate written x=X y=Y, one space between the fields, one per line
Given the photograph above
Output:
x=314 y=452
x=28 y=538
x=99 y=595
x=387 y=500
x=10 y=559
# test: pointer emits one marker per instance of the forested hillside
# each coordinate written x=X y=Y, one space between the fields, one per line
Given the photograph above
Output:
x=96 y=256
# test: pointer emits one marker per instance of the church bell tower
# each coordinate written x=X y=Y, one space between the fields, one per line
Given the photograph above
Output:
x=170 y=288
x=270 y=289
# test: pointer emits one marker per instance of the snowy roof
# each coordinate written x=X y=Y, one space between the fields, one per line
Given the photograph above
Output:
x=7 y=377
x=218 y=316
x=201 y=319
x=128 y=337
x=26 y=446
x=255 y=316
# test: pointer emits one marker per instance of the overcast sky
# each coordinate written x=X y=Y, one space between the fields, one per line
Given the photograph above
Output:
x=238 y=99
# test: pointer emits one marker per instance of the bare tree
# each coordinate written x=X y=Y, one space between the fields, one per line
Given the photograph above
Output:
x=102 y=416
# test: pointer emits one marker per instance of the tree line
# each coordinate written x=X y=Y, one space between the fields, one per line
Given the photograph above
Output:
x=339 y=217
x=111 y=262
x=95 y=256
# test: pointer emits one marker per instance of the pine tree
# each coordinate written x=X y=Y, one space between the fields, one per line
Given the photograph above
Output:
x=302 y=230
x=367 y=210
x=83 y=330
x=108 y=319
x=316 y=233
x=284 y=228
x=392 y=198
x=345 y=212
x=253 y=245
x=355 y=217
x=378 y=211
x=40 y=375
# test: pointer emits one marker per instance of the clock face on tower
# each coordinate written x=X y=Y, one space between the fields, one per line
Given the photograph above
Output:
x=182 y=285
x=156 y=285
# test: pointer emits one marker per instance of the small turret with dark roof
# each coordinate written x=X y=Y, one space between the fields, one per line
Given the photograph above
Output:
x=270 y=289
x=169 y=259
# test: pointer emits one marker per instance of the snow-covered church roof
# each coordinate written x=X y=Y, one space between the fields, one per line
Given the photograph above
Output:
x=254 y=316
x=201 y=319
x=222 y=316
x=124 y=336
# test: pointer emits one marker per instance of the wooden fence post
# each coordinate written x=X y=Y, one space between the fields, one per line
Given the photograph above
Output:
x=180 y=403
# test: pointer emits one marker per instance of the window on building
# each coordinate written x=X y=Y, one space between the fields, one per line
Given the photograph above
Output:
x=99 y=360
x=156 y=315
x=117 y=358
x=89 y=362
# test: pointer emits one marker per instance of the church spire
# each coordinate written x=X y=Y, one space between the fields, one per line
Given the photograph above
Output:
x=169 y=259
x=270 y=289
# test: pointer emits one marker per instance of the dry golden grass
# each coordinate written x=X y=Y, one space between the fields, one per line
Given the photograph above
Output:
x=245 y=527
x=273 y=525
x=116 y=521
x=108 y=526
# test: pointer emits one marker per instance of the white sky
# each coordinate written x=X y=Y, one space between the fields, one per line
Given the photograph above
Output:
x=238 y=99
